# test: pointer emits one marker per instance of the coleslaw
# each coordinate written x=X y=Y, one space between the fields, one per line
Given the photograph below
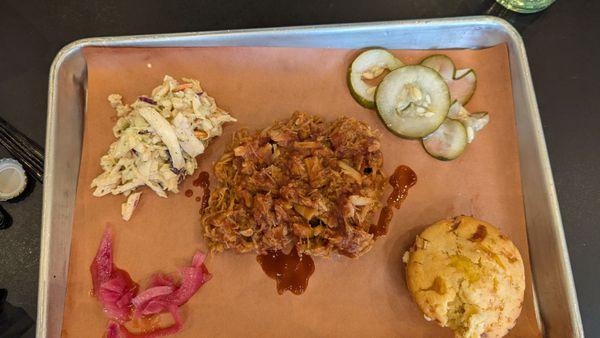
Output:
x=157 y=140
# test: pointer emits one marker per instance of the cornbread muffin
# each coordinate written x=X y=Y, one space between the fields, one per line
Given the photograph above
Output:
x=464 y=274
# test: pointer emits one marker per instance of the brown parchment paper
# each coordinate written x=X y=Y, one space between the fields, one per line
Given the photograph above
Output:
x=366 y=297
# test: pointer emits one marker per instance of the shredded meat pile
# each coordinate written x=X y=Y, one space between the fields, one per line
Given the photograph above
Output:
x=301 y=182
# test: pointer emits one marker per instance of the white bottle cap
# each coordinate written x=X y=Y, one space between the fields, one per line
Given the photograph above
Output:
x=12 y=179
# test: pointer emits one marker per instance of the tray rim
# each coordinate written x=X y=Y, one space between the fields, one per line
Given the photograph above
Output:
x=164 y=39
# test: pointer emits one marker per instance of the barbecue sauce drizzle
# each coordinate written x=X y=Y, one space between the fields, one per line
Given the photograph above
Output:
x=290 y=271
x=401 y=180
x=203 y=182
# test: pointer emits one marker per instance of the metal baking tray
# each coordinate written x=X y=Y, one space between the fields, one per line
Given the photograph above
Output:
x=553 y=283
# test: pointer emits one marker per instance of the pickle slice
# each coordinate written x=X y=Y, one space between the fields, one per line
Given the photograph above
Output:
x=462 y=82
x=369 y=65
x=412 y=101
x=473 y=122
x=448 y=142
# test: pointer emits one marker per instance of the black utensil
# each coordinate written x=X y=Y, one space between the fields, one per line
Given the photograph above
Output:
x=5 y=219
x=25 y=150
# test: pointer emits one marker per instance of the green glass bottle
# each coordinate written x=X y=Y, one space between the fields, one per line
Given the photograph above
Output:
x=526 y=6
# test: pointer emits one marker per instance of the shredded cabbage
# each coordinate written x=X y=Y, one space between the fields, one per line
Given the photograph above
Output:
x=157 y=139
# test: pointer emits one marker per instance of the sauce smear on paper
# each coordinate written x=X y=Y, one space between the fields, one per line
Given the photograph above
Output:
x=203 y=182
x=291 y=271
x=401 y=180
x=145 y=324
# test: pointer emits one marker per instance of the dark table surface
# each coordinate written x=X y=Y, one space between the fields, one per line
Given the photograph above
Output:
x=562 y=44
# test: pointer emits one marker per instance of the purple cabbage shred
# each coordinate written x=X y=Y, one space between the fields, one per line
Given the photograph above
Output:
x=147 y=100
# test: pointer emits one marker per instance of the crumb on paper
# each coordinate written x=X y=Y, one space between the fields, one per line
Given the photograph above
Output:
x=406 y=257
x=129 y=206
